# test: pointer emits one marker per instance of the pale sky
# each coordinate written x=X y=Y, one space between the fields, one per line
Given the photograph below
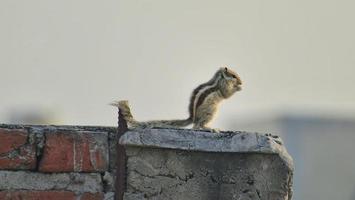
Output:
x=73 y=57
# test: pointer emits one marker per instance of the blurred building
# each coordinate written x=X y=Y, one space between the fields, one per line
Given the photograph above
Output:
x=323 y=151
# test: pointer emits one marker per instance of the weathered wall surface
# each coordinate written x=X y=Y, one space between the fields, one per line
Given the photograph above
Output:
x=57 y=162
x=167 y=164
x=74 y=162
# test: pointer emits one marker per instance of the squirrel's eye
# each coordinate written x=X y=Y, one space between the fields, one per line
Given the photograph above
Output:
x=234 y=76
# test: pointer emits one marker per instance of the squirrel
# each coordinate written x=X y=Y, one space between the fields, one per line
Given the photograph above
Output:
x=203 y=105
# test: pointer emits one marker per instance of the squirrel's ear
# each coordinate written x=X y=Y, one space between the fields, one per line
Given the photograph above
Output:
x=223 y=73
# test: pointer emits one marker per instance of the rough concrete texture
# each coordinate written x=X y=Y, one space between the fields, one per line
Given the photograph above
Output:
x=48 y=195
x=76 y=182
x=180 y=164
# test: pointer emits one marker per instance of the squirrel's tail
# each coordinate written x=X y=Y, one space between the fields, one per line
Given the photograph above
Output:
x=125 y=111
x=127 y=115
x=170 y=123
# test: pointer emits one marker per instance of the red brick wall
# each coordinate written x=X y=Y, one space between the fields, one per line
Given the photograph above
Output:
x=57 y=162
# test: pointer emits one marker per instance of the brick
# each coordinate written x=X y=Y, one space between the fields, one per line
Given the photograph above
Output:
x=90 y=196
x=11 y=139
x=45 y=195
x=80 y=151
x=16 y=152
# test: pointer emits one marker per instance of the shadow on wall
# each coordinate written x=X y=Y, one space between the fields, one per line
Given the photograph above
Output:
x=33 y=115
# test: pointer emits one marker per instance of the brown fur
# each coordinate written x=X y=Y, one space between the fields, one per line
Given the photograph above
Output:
x=203 y=105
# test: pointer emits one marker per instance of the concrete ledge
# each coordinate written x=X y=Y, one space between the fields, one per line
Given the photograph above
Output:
x=176 y=164
x=192 y=140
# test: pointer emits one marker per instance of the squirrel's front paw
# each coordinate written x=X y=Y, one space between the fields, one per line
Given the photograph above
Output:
x=214 y=130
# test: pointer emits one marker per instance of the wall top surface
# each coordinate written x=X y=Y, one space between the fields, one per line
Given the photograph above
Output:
x=195 y=140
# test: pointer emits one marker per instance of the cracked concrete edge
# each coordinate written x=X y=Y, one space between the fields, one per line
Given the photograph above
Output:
x=196 y=140
x=109 y=196
x=76 y=182
x=60 y=127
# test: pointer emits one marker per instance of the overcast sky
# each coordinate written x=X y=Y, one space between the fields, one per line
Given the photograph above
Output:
x=71 y=58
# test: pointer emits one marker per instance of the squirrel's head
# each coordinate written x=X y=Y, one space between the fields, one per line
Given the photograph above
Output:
x=231 y=77
x=230 y=82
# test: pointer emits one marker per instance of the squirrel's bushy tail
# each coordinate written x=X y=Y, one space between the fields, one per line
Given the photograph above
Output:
x=125 y=111
x=127 y=115
x=170 y=123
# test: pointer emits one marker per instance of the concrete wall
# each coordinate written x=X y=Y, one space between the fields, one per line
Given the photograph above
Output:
x=168 y=164
x=73 y=162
